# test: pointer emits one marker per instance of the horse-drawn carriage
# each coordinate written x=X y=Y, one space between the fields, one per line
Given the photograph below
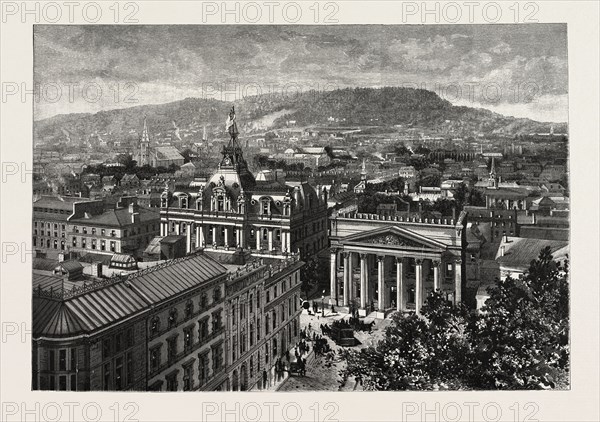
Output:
x=297 y=368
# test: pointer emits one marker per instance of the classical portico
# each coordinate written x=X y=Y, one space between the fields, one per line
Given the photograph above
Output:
x=395 y=266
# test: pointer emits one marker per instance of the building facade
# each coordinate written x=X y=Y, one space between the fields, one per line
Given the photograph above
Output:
x=388 y=263
x=234 y=213
x=126 y=229
x=51 y=220
x=184 y=325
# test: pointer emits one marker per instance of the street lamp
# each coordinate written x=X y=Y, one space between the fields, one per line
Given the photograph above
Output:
x=323 y=303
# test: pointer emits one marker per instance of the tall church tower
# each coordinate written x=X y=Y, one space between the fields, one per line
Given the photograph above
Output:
x=493 y=184
x=144 y=158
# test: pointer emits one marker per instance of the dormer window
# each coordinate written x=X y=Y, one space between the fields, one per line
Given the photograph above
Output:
x=183 y=202
x=265 y=207
x=220 y=203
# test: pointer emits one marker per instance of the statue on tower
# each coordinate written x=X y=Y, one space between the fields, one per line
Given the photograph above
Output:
x=230 y=124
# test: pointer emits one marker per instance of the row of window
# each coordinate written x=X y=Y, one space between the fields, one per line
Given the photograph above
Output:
x=48 y=225
x=189 y=312
x=189 y=380
x=94 y=244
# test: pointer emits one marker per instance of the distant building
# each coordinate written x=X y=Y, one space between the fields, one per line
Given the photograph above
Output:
x=126 y=229
x=50 y=220
x=235 y=214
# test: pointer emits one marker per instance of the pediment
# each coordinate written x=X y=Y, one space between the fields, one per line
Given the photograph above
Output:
x=394 y=237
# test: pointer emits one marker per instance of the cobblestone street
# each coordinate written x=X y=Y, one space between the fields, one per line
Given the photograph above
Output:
x=322 y=373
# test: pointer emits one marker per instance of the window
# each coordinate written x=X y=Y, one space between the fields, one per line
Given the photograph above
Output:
x=73 y=382
x=62 y=383
x=51 y=360
x=217 y=294
x=62 y=360
x=106 y=348
x=202 y=368
x=74 y=242
x=119 y=373
x=85 y=230
x=172 y=348
x=217 y=357
x=118 y=342
x=106 y=376
x=203 y=328
x=73 y=366
x=188 y=338
x=203 y=301
x=257 y=328
x=155 y=325
x=216 y=321
x=172 y=382
x=155 y=357
x=188 y=377
x=189 y=309
x=103 y=245
x=130 y=368
x=172 y=317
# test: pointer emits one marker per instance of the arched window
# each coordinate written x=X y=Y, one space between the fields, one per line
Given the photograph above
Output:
x=155 y=325
x=189 y=309
x=220 y=203
x=172 y=317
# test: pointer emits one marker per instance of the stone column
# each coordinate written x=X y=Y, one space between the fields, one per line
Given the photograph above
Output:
x=226 y=236
x=380 y=283
x=288 y=242
x=399 y=285
x=364 y=277
x=347 y=275
x=333 y=275
x=177 y=228
x=214 y=235
x=270 y=240
x=457 y=281
x=199 y=237
x=283 y=241
x=188 y=238
x=418 y=285
x=436 y=276
x=258 y=234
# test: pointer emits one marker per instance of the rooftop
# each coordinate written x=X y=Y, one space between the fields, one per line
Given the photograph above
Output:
x=60 y=311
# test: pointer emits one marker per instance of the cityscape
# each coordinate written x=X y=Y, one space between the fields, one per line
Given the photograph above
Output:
x=355 y=235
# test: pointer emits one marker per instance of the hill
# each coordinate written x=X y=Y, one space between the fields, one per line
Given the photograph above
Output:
x=358 y=106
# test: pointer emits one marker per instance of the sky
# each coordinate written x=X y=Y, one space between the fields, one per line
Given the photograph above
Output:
x=517 y=70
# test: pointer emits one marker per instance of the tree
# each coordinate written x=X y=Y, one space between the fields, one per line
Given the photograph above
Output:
x=417 y=353
x=520 y=340
x=127 y=161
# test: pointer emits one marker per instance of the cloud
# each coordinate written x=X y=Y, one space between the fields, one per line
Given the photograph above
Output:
x=176 y=60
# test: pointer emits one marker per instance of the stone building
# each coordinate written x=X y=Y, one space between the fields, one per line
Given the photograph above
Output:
x=389 y=263
x=236 y=215
x=185 y=325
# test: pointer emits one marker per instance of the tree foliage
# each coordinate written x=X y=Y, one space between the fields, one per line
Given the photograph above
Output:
x=520 y=340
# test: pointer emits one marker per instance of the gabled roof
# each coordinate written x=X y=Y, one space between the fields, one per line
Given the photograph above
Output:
x=395 y=237
x=118 y=218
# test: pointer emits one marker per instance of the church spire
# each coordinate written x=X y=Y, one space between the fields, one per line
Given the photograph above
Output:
x=363 y=173
x=493 y=178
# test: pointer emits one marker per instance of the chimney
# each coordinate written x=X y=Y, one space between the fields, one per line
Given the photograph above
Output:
x=502 y=250
x=505 y=238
